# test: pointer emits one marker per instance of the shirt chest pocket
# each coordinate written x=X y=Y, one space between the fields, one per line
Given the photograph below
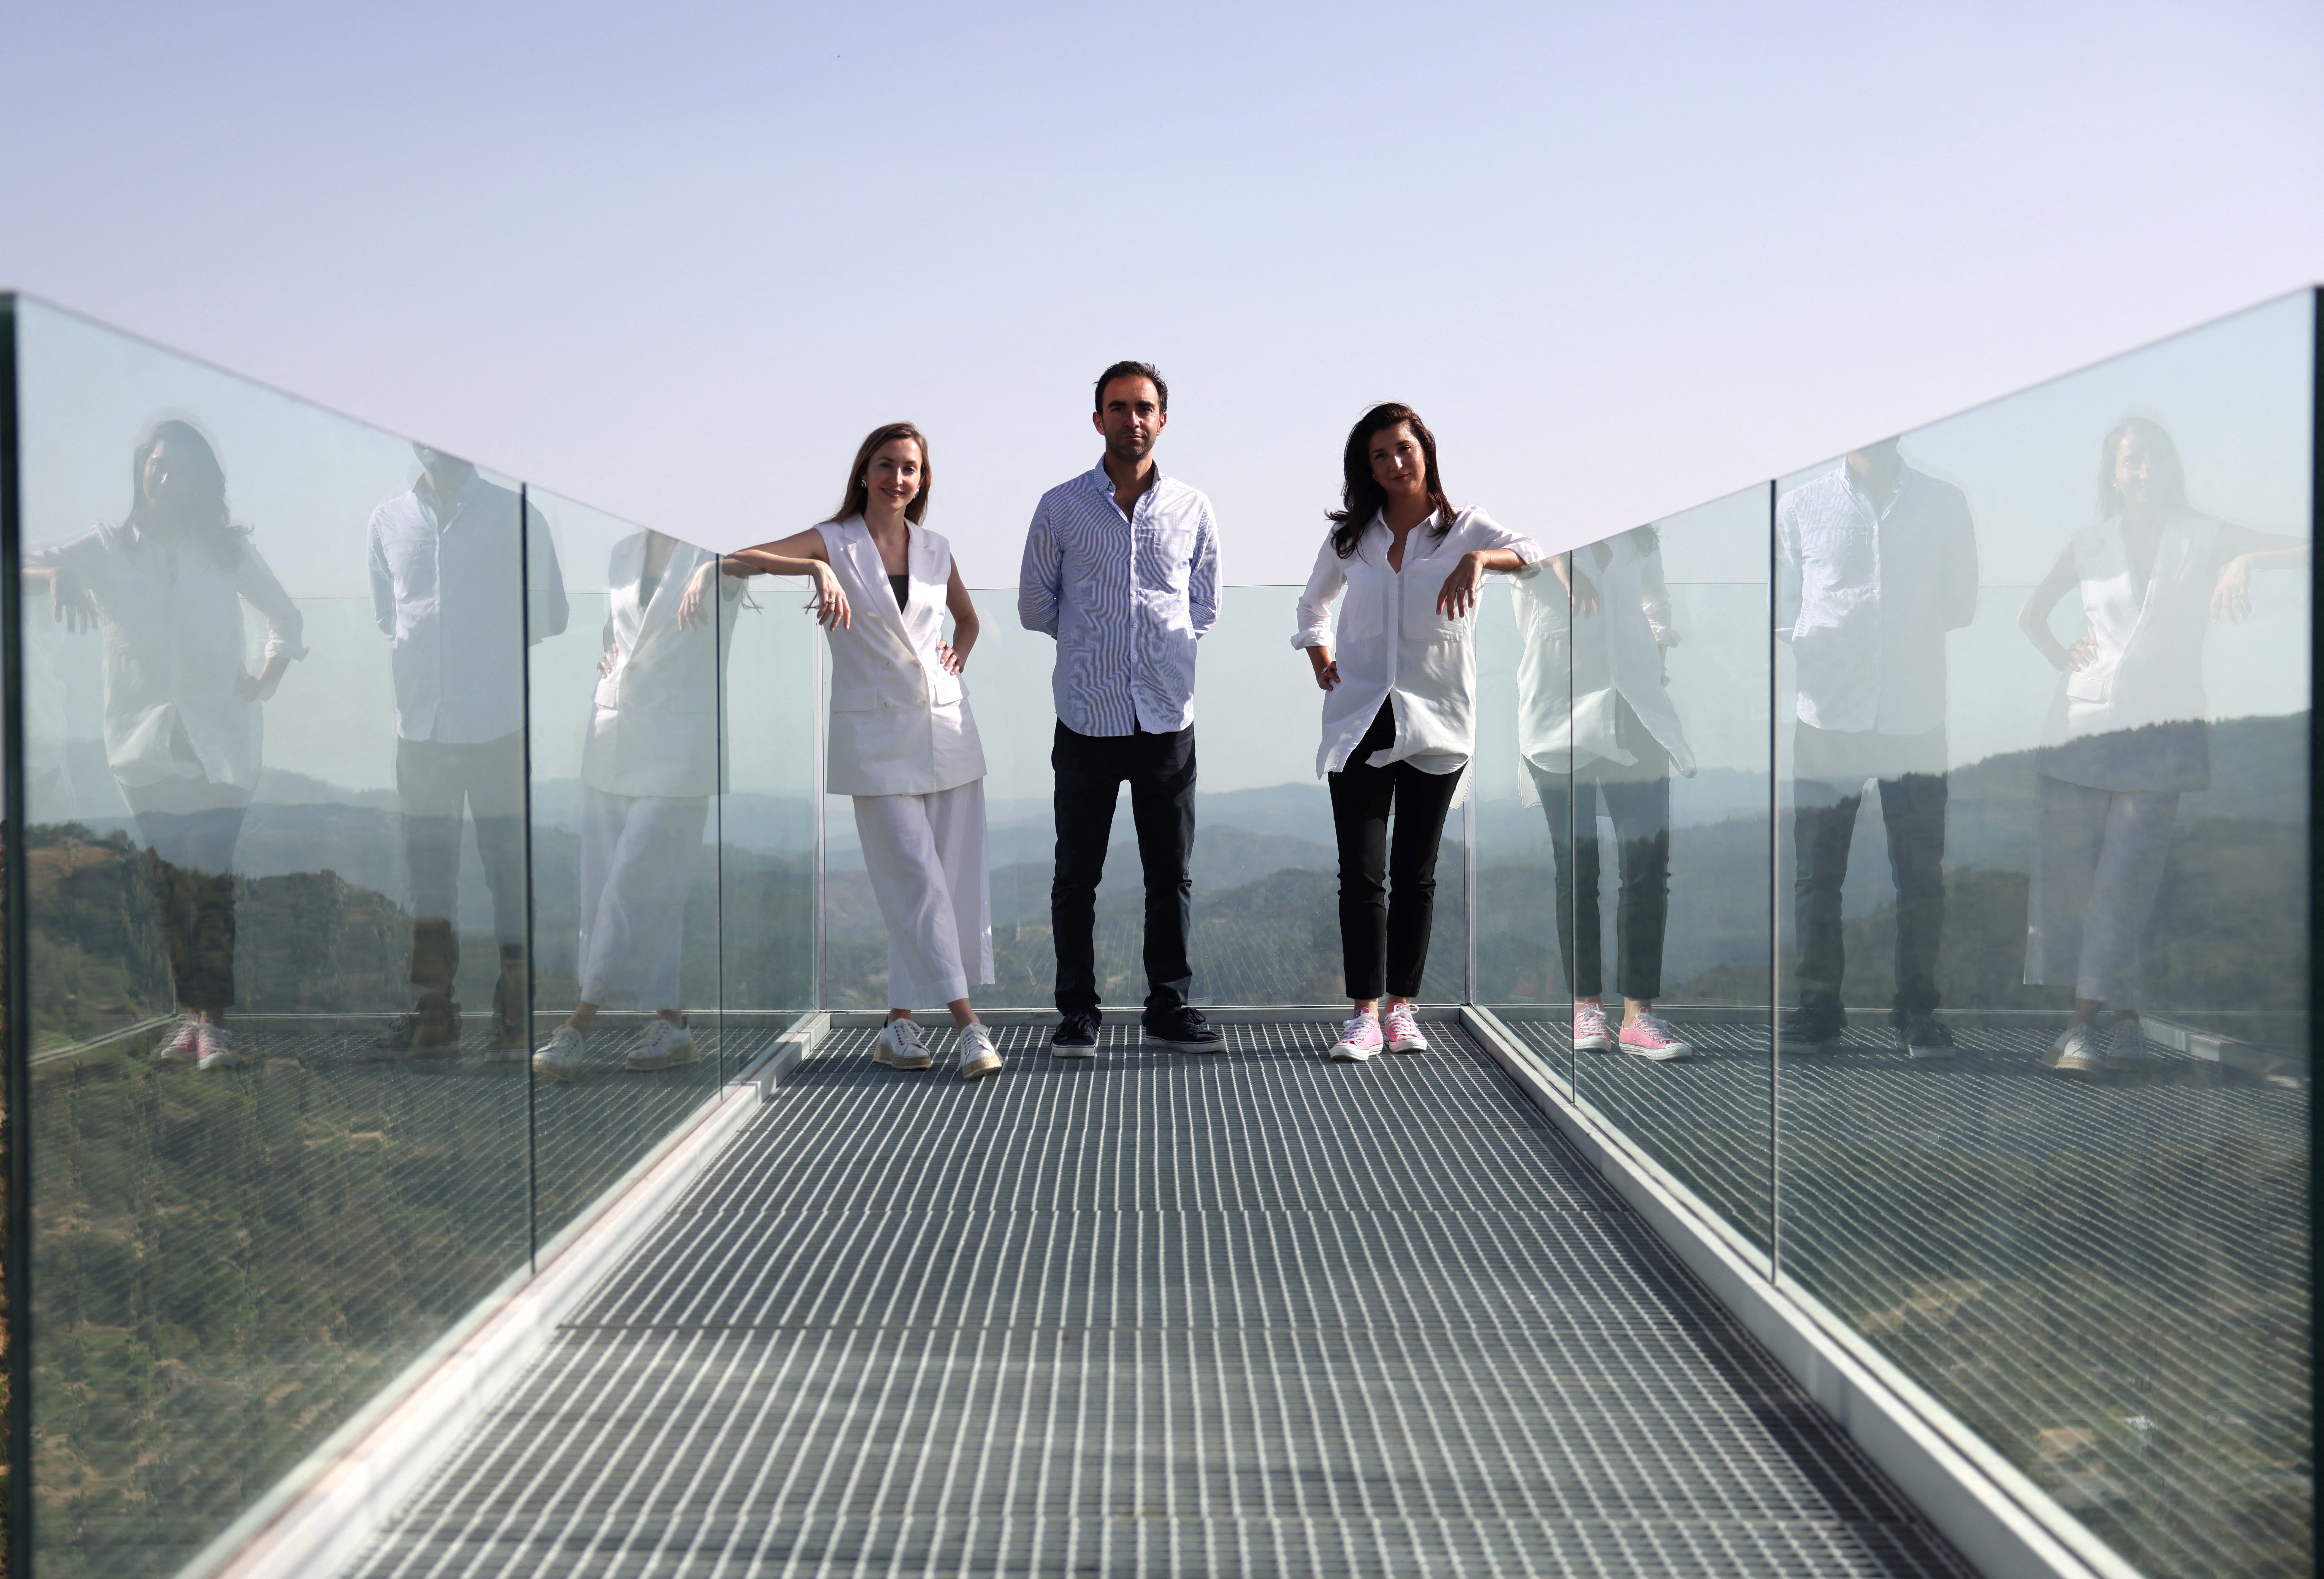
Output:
x=411 y=562
x=1164 y=555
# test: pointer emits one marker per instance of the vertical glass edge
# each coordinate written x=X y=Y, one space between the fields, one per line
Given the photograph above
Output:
x=16 y=1010
x=531 y=949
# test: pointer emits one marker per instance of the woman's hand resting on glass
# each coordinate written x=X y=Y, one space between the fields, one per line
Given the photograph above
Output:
x=691 y=609
x=829 y=604
x=2231 y=598
x=1457 y=597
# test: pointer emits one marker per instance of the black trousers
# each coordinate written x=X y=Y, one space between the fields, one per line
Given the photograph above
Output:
x=1823 y=823
x=189 y=871
x=438 y=783
x=1090 y=770
x=1387 y=884
x=1638 y=800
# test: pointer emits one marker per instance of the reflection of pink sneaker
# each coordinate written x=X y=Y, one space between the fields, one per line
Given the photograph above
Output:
x=1360 y=1039
x=1649 y=1036
x=1402 y=1032
x=1590 y=1032
x=186 y=1046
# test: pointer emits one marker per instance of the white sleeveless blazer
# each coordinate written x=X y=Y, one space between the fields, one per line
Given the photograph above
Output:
x=900 y=725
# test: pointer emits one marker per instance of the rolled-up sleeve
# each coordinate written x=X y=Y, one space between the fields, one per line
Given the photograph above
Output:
x=286 y=627
x=1491 y=535
x=1654 y=591
x=1324 y=585
x=1203 y=578
x=1040 y=576
x=1788 y=593
x=382 y=580
x=549 y=610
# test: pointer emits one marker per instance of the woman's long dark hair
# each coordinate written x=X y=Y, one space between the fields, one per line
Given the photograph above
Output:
x=2158 y=442
x=859 y=491
x=1361 y=496
x=208 y=520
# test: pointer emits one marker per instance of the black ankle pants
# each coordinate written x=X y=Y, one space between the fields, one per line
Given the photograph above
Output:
x=1387 y=883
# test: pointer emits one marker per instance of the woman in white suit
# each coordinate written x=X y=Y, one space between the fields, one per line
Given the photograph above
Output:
x=903 y=743
x=649 y=767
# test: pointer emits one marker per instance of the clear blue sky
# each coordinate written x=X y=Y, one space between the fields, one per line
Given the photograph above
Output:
x=677 y=260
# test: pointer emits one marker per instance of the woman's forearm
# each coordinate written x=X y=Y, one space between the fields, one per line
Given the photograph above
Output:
x=765 y=562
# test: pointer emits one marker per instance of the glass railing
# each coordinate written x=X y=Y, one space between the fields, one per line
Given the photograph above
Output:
x=1981 y=758
x=1956 y=834
x=348 y=770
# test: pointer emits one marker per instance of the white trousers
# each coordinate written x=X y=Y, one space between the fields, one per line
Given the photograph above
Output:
x=636 y=863
x=925 y=854
x=2098 y=868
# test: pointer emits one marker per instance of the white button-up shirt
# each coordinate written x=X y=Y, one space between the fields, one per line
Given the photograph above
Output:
x=445 y=594
x=1126 y=596
x=1865 y=596
x=1392 y=646
x=170 y=615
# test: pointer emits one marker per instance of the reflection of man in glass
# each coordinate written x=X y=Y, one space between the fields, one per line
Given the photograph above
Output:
x=1874 y=563
x=446 y=564
x=1597 y=729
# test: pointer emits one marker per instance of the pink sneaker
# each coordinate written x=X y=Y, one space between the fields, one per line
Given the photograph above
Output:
x=1649 y=1036
x=1402 y=1032
x=1590 y=1032
x=1360 y=1039
x=186 y=1044
x=217 y=1050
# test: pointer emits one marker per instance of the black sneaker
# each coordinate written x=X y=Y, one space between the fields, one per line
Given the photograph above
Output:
x=1076 y=1036
x=1921 y=1037
x=1184 y=1029
x=1805 y=1031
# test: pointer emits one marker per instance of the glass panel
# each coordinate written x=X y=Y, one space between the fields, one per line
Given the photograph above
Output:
x=258 y=1190
x=625 y=681
x=1266 y=906
x=2051 y=660
x=1668 y=871
x=1524 y=699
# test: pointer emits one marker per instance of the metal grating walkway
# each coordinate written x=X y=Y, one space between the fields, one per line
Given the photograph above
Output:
x=1249 y=1313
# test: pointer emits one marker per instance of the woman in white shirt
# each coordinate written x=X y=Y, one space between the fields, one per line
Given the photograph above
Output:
x=183 y=734
x=1596 y=728
x=2127 y=732
x=903 y=744
x=649 y=768
x=1399 y=724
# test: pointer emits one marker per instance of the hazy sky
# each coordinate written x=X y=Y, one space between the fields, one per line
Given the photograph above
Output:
x=677 y=260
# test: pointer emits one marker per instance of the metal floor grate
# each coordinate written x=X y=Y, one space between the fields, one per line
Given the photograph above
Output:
x=1162 y=1313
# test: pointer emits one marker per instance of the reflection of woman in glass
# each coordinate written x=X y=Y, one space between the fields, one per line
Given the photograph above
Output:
x=649 y=767
x=903 y=743
x=2127 y=734
x=1399 y=716
x=1613 y=747
x=183 y=734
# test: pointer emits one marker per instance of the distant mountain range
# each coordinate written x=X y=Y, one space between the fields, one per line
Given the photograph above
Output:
x=1265 y=884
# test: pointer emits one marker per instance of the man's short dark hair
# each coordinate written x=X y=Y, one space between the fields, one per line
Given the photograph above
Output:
x=1134 y=370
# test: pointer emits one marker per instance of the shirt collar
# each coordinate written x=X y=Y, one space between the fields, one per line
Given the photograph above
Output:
x=1860 y=492
x=1102 y=481
x=1427 y=523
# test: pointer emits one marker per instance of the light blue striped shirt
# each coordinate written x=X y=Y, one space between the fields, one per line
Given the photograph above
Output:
x=1127 y=597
